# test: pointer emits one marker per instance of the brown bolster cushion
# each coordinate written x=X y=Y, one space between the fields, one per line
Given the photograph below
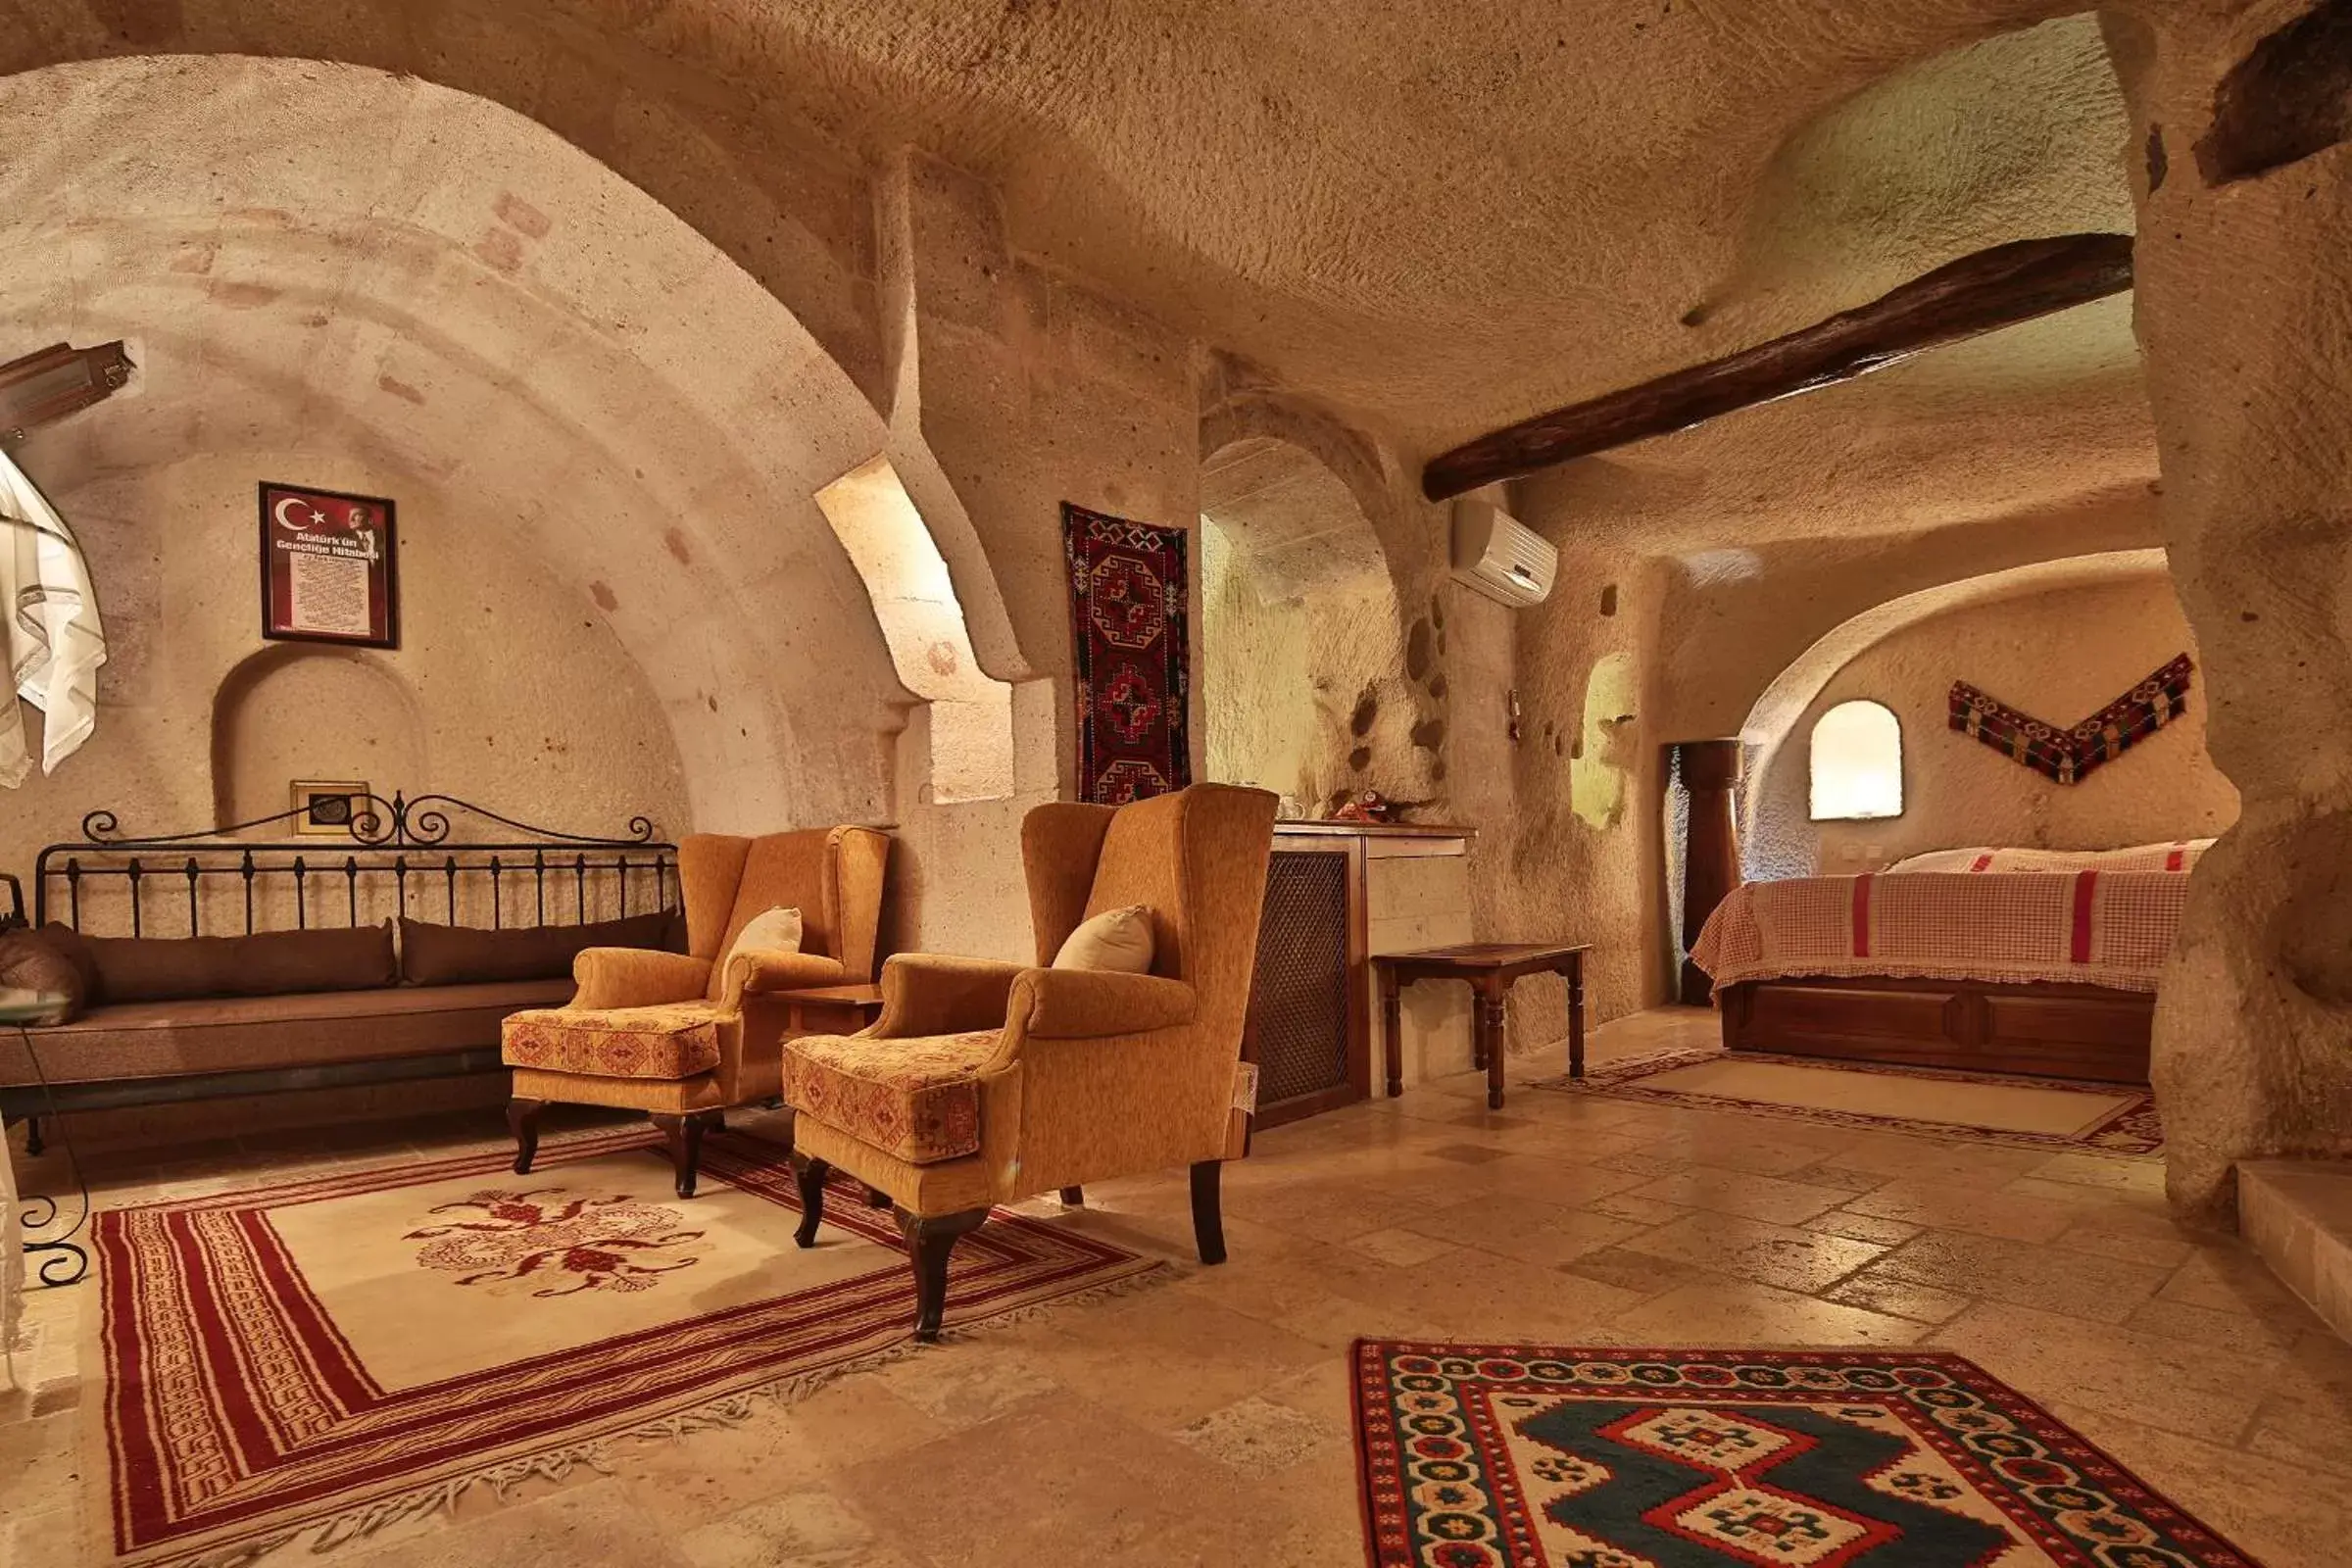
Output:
x=53 y=959
x=460 y=955
x=266 y=964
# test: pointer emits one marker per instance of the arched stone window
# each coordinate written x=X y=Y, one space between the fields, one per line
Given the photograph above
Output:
x=1857 y=764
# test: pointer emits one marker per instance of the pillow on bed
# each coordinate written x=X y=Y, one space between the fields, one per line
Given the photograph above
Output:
x=2178 y=856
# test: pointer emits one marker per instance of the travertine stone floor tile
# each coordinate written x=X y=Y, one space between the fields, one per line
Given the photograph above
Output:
x=1771 y=1255
x=2229 y=1280
x=2079 y=1284
x=2224 y=1331
x=2306 y=1413
x=1983 y=1212
x=2190 y=1388
x=1922 y=1303
x=2110 y=1171
x=1406 y=1249
x=1641 y=1273
x=1203 y=1357
x=1093 y=1488
x=2134 y=1235
x=1863 y=1227
x=1640 y=1211
x=1546 y=1180
x=1764 y=1198
x=1544 y=1233
x=2284 y=1515
x=1258 y=1435
x=596 y=1523
x=1724 y=1312
x=797 y=1530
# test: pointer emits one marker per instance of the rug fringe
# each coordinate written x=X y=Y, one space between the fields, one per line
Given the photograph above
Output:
x=556 y=1464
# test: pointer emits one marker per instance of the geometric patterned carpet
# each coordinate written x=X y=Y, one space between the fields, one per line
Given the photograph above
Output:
x=1944 y=1102
x=320 y=1358
x=1528 y=1456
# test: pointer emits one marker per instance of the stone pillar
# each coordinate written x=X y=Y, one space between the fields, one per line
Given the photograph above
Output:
x=2244 y=308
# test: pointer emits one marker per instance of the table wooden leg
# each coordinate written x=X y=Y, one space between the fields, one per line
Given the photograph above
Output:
x=1391 y=1031
x=1576 y=1016
x=1478 y=1029
x=1492 y=1033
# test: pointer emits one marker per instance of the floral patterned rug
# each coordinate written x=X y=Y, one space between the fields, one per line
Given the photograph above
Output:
x=1983 y=1107
x=1532 y=1456
x=320 y=1357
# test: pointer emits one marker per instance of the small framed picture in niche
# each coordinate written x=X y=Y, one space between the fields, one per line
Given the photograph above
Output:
x=327 y=807
x=330 y=567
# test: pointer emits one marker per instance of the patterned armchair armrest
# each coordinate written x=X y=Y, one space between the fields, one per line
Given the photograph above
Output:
x=637 y=977
x=763 y=969
x=933 y=993
x=1090 y=1003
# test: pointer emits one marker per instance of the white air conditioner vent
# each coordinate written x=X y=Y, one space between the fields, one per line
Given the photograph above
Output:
x=1500 y=556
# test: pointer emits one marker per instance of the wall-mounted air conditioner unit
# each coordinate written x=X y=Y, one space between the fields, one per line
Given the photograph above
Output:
x=1500 y=556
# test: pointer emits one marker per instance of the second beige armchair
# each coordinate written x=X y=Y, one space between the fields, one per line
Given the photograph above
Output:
x=682 y=1035
x=984 y=1083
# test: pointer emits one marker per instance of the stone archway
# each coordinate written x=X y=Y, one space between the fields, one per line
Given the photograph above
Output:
x=1302 y=657
x=452 y=302
x=1774 y=833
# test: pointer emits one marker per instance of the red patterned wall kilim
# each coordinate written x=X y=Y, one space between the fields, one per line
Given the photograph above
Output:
x=1134 y=652
x=2066 y=755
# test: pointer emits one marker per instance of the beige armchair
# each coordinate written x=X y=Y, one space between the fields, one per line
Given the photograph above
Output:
x=682 y=1035
x=984 y=1083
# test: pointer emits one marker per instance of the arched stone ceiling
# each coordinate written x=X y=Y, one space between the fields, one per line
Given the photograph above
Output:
x=574 y=365
x=1445 y=216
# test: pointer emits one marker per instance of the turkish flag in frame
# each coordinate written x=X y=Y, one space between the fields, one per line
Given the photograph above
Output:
x=330 y=567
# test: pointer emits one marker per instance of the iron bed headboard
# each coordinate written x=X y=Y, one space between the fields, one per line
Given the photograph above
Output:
x=387 y=844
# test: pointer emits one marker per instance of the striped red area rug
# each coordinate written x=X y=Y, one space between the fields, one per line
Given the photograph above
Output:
x=320 y=1357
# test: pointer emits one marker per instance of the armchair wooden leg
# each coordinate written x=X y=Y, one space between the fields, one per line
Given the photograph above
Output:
x=930 y=1239
x=1208 y=1212
x=876 y=1198
x=1073 y=1197
x=809 y=1174
x=522 y=1120
x=685 y=1136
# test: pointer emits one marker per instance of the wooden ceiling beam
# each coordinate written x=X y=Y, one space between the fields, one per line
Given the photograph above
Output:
x=1976 y=294
x=45 y=386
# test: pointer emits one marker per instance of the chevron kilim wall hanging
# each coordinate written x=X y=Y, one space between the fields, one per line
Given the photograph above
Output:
x=2066 y=755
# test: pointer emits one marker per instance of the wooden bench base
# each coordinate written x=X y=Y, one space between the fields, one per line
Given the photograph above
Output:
x=2046 y=1030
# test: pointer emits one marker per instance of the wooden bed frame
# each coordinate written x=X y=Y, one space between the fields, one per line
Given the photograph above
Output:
x=2050 y=1030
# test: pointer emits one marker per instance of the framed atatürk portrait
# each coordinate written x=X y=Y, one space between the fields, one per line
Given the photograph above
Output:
x=330 y=567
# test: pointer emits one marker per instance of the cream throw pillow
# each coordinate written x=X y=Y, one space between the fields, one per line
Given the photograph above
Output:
x=776 y=930
x=1118 y=940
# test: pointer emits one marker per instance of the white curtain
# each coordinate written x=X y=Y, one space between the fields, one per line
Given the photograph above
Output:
x=49 y=629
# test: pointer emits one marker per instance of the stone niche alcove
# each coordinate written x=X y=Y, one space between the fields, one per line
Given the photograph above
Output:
x=299 y=711
x=1301 y=663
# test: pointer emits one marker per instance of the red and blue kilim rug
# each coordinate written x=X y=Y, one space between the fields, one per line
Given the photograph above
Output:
x=1128 y=621
x=1525 y=1456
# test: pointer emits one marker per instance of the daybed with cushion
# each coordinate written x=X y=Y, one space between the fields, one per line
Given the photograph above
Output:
x=316 y=987
x=156 y=1018
x=2036 y=961
x=682 y=1035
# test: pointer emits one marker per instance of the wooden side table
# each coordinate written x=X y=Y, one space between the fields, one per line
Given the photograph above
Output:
x=1490 y=968
x=831 y=1009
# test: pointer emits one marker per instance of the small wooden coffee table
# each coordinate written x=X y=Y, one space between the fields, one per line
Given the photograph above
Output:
x=1491 y=968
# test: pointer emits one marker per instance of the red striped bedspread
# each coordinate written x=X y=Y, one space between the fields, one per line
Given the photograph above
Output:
x=2087 y=927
